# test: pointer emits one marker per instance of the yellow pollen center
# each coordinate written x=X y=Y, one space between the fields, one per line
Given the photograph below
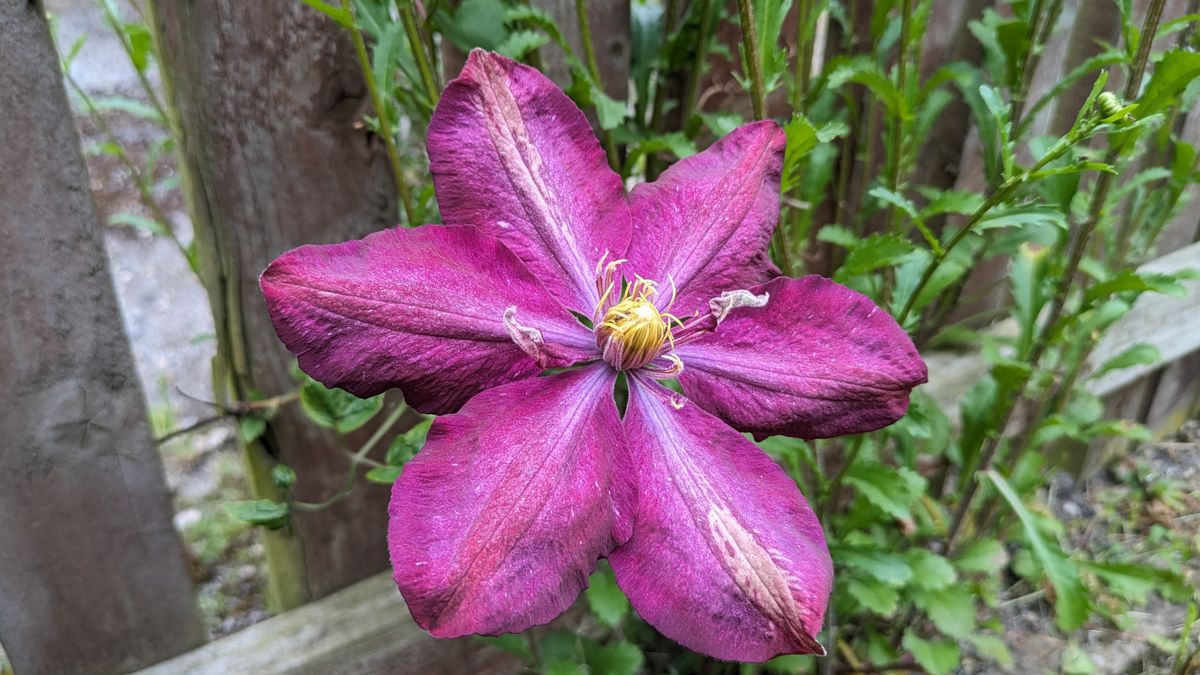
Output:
x=638 y=326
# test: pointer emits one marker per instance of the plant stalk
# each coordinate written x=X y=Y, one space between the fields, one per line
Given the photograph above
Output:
x=385 y=127
x=408 y=17
x=589 y=53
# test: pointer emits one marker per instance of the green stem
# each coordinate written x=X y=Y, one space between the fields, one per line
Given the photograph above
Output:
x=385 y=127
x=653 y=165
x=115 y=23
x=408 y=17
x=999 y=195
x=758 y=96
x=698 y=65
x=356 y=458
x=803 y=57
x=589 y=53
x=899 y=122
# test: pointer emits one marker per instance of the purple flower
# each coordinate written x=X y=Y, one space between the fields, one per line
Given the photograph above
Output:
x=525 y=481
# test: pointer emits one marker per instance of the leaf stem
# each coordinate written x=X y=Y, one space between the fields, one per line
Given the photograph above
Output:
x=589 y=53
x=758 y=96
x=408 y=17
x=701 y=60
x=381 y=113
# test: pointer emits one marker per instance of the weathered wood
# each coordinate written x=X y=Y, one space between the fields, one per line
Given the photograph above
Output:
x=268 y=97
x=362 y=630
x=92 y=577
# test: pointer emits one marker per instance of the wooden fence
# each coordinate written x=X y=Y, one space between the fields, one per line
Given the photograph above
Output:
x=91 y=572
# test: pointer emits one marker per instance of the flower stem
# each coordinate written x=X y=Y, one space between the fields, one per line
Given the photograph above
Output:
x=803 y=57
x=758 y=96
x=589 y=53
x=759 y=99
x=408 y=17
x=356 y=458
x=693 y=87
x=385 y=127
x=899 y=123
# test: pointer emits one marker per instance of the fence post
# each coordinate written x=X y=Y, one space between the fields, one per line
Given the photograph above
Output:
x=92 y=577
x=269 y=100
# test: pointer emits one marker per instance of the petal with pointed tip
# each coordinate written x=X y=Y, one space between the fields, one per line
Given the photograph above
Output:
x=497 y=523
x=513 y=156
x=818 y=360
x=422 y=310
x=726 y=557
x=706 y=223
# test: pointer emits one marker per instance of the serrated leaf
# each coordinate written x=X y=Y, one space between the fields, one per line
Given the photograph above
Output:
x=1141 y=354
x=874 y=595
x=801 y=139
x=270 y=514
x=476 y=23
x=1021 y=216
x=930 y=570
x=951 y=609
x=935 y=656
x=1173 y=73
x=873 y=252
x=1070 y=598
x=406 y=445
x=606 y=600
x=892 y=489
x=1139 y=282
x=868 y=74
x=615 y=658
x=982 y=555
x=992 y=648
x=337 y=409
x=521 y=42
x=887 y=567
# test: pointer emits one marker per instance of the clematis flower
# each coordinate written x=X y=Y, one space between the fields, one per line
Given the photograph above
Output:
x=531 y=474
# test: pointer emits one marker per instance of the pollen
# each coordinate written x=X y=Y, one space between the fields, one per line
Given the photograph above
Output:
x=633 y=332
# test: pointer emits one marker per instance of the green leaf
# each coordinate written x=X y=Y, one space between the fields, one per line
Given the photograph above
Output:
x=406 y=445
x=606 y=600
x=476 y=23
x=838 y=236
x=982 y=555
x=340 y=16
x=1076 y=662
x=283 y=476
x=337 y=409
x=250 y=427
x=992 y=648
x=931 y=571
x=1070 y=601
x=521 y=42
x=877 y=250
x=1022 y=216
x=801 y=139
x=384 y=475
x=1138 y=282
x=951 y=609
x=137 y=222
x=887 y=567
x=868 y=73
x=129 y=105
x=892 y=489
x=1141 y=354
x=935 y=656
x=512 y=643
x=1173 y=73
x=270 y=514
x=874 y=595
x=1135 y=582
x=616 y=658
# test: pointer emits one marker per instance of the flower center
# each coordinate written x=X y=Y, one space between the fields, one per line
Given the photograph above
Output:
x=632 y=333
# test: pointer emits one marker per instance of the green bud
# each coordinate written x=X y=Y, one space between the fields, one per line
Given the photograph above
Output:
x=283 y=475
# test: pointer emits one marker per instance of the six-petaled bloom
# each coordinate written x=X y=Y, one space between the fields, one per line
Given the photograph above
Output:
x=526 y=480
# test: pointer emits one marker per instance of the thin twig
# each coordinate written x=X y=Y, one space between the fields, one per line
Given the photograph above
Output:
x=381 y=113
x=408 y=17
x=589 y=53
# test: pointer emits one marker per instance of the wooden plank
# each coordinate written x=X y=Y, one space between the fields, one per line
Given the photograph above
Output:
x=92 y=576
x=362 y=630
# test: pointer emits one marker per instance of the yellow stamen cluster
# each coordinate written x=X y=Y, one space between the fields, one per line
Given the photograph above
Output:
x=633 y=332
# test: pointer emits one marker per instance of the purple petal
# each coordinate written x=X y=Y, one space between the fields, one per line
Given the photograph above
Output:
x=512 y=155
x=498 y=522
x=706 y=222
x=726 y=557
x=819 y=360
x=422 y=310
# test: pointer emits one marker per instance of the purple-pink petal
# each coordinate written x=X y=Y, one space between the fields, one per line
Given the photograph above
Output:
x=513 y=156
x=818 y=360
x=706 y=223
x=726 y=556
x=497 y=523
x=422 y=310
